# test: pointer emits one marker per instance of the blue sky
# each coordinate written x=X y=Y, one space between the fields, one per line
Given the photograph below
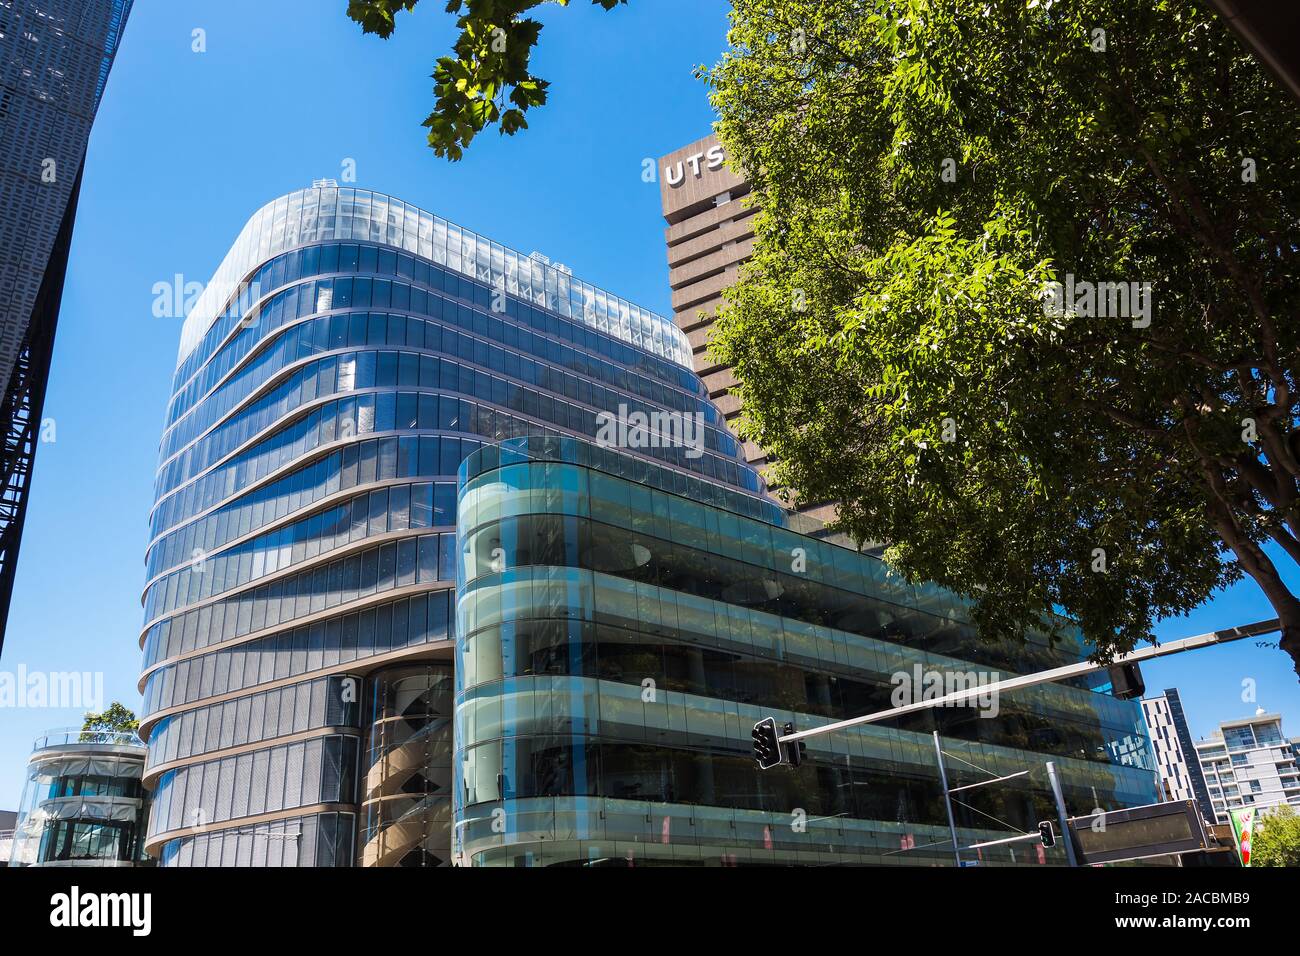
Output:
x=187 y=145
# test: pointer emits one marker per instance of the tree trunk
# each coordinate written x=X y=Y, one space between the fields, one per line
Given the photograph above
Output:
x=1291 y=641
x=1252 y=559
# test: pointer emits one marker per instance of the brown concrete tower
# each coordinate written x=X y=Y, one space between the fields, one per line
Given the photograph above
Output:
x=709 y=235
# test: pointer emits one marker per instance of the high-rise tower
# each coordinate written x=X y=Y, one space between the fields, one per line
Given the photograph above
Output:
x=54 y=61
x=349 y=353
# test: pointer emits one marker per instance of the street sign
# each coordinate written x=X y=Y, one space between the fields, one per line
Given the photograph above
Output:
x=1158 y=829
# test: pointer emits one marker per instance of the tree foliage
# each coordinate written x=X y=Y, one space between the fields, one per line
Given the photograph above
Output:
x=924 y=170
x=1276 y=839
x=118 y=718
x=488 y=79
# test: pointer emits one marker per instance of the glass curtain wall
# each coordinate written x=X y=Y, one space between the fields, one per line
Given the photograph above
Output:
x=617 y=641
x=406 y=798
x=83 y=803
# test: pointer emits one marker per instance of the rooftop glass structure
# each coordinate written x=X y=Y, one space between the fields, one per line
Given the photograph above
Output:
x=83 y=803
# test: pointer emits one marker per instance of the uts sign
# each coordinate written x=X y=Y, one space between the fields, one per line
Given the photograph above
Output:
x=713 y=158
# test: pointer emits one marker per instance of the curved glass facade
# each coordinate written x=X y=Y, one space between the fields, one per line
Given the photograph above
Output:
x=83 y=803
x=617 y=640
x=348 y=355
x=406 y=789
x=360 y=215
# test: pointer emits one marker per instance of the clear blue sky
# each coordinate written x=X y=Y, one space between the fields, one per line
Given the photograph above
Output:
x=188 y=145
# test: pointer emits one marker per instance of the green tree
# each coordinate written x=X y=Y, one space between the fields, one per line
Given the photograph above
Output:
x=487 y=81
x=116 y=719
x=924 y=171
x=1276 y=840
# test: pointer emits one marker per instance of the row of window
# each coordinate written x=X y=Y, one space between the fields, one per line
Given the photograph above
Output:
x=426 y=559
x=311 y=705
x=382 y=511
x=691 y=559
x=319 y=840
x=359 y=463
x=85 y=841
x=340 y=420
x=300 y=774
x=433 y=295
x=308 y=337
x=576 y=765
x=802 y=680
x=49 y=783
x=371 y=412
x=408 y=622
x=645 y=500
x=552 y=593
x=357 y=371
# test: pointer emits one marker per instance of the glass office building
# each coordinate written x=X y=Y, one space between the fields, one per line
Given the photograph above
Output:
x=83 y=803
x=312 y=695
x=349 y=353
x=622 y=626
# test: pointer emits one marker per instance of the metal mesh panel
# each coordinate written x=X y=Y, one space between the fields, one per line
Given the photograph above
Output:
x=243 y=708
x=225 y=789
x=302 y=708
x=227 y=724
x=194 y=852
x=257 y=793
x=312 y=770
x=293 y=778
x=260 y=844
x=257 y=718
x=319 y=709
x=243 y=773
x=208 y=802
x=273 y=713
x=275 y=780
x=199 y=742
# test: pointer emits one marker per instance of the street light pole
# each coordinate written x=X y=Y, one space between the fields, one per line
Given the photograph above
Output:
x=1044 y=677
x=947 y=799
x=1061 y=814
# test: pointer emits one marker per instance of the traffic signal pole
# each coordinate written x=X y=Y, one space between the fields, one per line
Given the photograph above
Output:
x=947 y=800
x=1045 y=677
x=1061 y=813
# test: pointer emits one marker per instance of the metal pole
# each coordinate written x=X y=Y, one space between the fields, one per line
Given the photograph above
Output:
x=1061 y=815
x=1015 y=839
x=1043 y=677
x=947 y=800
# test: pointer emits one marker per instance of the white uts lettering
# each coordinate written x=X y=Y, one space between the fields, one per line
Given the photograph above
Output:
x=713 y=158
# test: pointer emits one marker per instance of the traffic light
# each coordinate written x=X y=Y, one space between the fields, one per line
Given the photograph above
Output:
x=1047 y=834
x=793 y=753
x=767 y=748
x=1126 y=681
